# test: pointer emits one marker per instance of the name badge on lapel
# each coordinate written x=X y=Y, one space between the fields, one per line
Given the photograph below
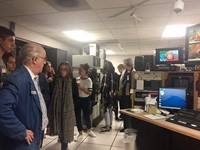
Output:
x=33 y=92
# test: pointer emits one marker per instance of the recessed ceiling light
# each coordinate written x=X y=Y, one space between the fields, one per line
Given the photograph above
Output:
x=80 y=35
x=110 y=52
x=172 y=31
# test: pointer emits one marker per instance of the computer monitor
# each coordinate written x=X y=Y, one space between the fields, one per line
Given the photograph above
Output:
x=172 y=98
x=169 y=56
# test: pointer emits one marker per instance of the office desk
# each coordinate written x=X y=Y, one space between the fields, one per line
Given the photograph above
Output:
x=162 y=135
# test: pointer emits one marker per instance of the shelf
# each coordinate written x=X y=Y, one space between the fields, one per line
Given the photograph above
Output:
x=145 y=91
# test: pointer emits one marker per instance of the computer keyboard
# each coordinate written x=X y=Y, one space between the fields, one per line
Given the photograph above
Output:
x=187 y=118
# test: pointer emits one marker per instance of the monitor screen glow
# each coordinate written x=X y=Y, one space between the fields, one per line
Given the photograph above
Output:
x=172 y=98
x=169 y=55
x=193 y=43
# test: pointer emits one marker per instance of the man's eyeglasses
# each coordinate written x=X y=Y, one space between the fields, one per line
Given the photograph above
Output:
x=44 y=58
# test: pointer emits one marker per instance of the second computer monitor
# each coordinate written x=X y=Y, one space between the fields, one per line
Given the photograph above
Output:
x=172 y=98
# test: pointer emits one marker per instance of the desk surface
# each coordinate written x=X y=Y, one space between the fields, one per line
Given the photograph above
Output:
x=164 y=124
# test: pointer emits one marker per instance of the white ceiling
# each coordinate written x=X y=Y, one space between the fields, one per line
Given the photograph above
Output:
x=120 y=34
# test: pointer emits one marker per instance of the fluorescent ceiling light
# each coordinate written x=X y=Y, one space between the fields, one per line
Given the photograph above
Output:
x=110 y=52
x=175 y=30
x=80 y=35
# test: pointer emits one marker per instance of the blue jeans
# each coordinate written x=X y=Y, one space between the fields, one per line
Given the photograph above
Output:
x=108 y=116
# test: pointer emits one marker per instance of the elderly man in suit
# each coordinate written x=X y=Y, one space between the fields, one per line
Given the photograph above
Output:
x=22 y=108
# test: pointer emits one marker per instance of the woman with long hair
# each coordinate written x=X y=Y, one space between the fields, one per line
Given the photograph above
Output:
x=63 y=116
x=108 y=92
x=10 y=61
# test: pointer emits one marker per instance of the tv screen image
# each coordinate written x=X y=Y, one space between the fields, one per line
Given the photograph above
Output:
x=169 y=55
x=193 y=43
x=172 y=98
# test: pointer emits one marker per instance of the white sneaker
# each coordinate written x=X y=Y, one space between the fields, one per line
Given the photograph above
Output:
x=91 y=133
x=78 y=138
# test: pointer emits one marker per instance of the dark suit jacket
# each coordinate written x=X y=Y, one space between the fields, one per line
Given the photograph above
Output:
x=19 y=110
x=127 y=83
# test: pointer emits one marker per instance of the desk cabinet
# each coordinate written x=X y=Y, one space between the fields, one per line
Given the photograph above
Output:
x=188 y=80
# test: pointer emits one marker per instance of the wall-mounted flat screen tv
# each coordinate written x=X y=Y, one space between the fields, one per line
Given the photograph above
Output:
x=193 y=43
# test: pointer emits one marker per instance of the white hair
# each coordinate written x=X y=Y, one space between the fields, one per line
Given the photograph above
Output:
x=29 y=51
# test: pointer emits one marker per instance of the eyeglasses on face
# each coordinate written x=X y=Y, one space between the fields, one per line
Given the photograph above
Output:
x=44 y=58
x=63 y=69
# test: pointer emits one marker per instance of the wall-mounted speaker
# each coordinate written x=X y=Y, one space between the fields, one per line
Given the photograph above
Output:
x=149 y=61
x=139 y=63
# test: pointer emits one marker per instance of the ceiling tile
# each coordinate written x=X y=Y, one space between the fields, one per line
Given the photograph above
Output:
x=80 y=16
x=101 y=32
x=119 y=24
x=31 y=6
x=150 y=32
x=133 y=51
x=68 y=5
x=64 y=27
x=123 y=31
x=153 y=2
x=6 y=10
x=79 y=45
x=101 y=4
x=152 y=22
x=190 y=19
x=54 y=34
x=24 y=20
x=92 y=26
x=154 y=11
x=129 y=42
x=104 y=14
x=147 y=47
x=51 y=18
x=126 y=36
x=103 y=39
x=131 y=47
x=42 y=28
x=151 y=41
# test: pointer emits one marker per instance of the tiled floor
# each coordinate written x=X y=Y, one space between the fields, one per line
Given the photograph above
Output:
x=112 y=140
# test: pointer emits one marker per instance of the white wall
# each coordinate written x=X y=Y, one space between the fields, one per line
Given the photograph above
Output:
x=30 y=35
x=116 y=60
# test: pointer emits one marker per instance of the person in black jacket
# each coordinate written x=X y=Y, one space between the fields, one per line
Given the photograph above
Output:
x=126 y=87
x=108 y=91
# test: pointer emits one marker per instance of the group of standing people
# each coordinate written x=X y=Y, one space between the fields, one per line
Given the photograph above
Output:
x=34 y=97
x=32 y=100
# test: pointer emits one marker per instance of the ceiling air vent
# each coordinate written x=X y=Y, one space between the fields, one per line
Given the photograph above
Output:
x=69 y=5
